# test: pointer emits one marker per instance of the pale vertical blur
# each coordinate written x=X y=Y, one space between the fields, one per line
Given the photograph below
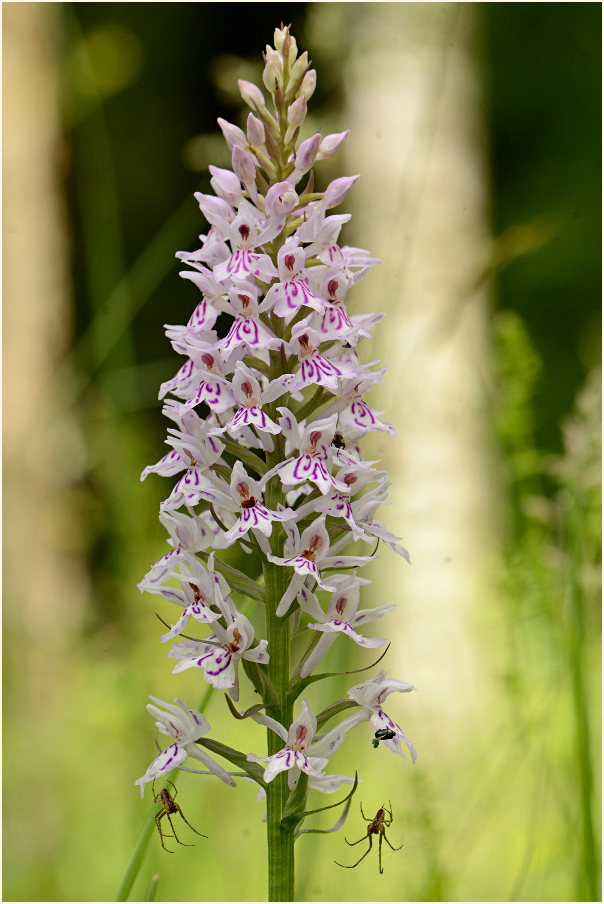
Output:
x=413 y=104
x=421 y=205
x=44 y=581
x=42 y=450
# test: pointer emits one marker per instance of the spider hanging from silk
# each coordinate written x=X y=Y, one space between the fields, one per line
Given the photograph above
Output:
x=377 y=826
x=169 y=808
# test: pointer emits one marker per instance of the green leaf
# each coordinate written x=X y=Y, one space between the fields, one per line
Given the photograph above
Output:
x=137 y=858
x=152 y=890
x=293 y=812
x=238 y=581
x=296 y=687
x=334 y=710
x=334 y=828
x=261 y=681
x=338 y=825
x=245 y=715
x=263 y=368
x=316 y=400
x=249 y=458
x=340 y=802
x=252 y=770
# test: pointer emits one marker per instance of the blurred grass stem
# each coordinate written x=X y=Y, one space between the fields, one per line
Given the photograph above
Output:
x=588 y=871
x=137 y=859
x=151 y=893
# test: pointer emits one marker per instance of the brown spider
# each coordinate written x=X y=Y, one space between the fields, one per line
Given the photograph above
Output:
x=377 y=826
x=168 y=808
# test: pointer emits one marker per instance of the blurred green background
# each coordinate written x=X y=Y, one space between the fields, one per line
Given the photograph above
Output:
x=110 y=113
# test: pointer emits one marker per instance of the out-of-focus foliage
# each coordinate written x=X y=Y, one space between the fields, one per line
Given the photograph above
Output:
x=550 y=597
x=543 y=67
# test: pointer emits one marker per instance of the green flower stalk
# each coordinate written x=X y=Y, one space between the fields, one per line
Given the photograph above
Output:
x=269 y=416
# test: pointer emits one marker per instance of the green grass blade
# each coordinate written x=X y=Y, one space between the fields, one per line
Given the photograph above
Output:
x=137 y=859
x=152 y=890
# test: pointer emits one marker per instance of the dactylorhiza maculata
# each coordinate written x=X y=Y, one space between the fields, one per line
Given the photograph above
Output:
x=269 y=417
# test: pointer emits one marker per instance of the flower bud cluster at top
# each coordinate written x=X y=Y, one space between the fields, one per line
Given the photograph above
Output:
x=281 y=391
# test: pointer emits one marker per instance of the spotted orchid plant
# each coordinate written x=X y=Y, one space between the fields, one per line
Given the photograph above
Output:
x=269 y=415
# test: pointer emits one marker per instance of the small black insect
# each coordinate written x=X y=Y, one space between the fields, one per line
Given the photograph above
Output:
x=383 y=734
x=338 y=441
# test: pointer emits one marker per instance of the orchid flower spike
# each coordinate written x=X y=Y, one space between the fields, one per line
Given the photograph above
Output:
x=272 y=504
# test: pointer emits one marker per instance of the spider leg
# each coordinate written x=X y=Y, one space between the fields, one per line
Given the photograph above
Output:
x=153 y=790
x=175 y=835
x=360 y=858
x=161 y=836
x=389 y=812
x=352 y=843
x=392 y=846
x=189 y=824
x=363 y=815
x=175 y=788
x=158 y=819
x=382 y=835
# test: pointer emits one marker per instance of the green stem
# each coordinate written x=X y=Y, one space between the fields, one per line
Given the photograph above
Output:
x=280 y=830
x=152 y=890
x=137 y=858
x=280 y=838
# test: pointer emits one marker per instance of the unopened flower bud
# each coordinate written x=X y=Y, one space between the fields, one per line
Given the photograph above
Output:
x=285 y=43
x=244 y=165
x=307 y=153
x=331 y=143
x=226 y=185
x=255 y=131
x=251 y=94
x=297 y=113
x=280 y=200
x=273 y=70
x=309 y=83
x=279 y=37
x=292 y=50
x=215 y=210
x=298 y=69
x=337 y=190
x=233 y=134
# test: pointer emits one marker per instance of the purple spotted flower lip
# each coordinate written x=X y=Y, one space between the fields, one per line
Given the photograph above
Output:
x=218 y=656
x=186 y=726
x=302 y=751
x=245 y=500
x=272 y=503
x=342 y=618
